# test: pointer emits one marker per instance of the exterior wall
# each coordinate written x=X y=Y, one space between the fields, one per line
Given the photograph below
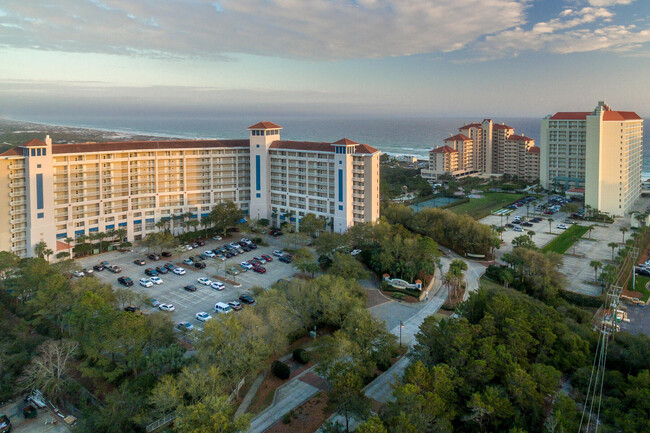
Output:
x=563 y=150
x=544 y=154
x=260 y=181
x=40 y=196
x=343 y=181
x=487 y=145
x=532 y=166
x=371 y=188
x=13 y=233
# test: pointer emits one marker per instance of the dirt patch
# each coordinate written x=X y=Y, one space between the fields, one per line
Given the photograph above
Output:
x=270 y=384
x=306 y=418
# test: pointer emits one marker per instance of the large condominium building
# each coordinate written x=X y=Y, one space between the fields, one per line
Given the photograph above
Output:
x=487 y=148
x=57 y=191
x=600 y=151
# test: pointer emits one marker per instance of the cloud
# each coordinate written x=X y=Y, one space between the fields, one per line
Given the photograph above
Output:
x=313 y=29
x=601 y=3
x=565 y=34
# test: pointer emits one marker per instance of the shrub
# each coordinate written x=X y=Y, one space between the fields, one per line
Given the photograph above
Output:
x=398 y=295
x=581 y=300
x=62 y=254
x=286 y=418
x=280 y=370
x=301 y=355
x=383 y=364
x=259 y=241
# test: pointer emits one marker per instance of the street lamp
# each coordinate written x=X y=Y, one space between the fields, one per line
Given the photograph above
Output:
x=401 y=325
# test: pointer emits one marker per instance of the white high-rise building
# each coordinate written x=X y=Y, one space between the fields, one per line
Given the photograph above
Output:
x=600 y=151
x=55 y=191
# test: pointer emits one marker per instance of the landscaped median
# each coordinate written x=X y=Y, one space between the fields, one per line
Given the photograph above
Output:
x=479 y=208
x=566 y=239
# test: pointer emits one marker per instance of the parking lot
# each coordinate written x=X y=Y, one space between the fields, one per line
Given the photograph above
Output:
x=187 y=304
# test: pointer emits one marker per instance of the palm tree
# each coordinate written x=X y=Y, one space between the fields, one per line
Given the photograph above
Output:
x=589 y=229
x=101 y=236
x=47 y=253
x=623 y=230
x=550 y=223
x=596 y=264
x=641 y=217
x=68 y=240
x=587 y=210
x=612 y=245
x=39 y=249
x=574 y=239
x=531 y=234
x=500 y=230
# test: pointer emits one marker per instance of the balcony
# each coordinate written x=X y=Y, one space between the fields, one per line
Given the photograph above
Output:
x=19 y=175
x=18 y=230
x=17 y=202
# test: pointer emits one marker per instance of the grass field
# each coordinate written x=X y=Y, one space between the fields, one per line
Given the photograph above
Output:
x=564 y=241
x=479 y=208
x=640 y=286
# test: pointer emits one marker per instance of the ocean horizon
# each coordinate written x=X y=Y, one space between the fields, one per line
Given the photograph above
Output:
x=394 y=136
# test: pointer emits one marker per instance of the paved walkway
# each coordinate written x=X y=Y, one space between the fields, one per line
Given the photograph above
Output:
x=243 y=407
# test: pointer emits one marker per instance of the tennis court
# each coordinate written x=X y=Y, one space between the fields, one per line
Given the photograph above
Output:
x=434 y=202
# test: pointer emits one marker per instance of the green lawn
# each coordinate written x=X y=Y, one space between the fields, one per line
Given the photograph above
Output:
x=484 y=283
x=565 y=240
x=479 y=208
x=640 y=286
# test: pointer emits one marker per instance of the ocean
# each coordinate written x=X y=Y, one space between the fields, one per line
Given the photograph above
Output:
x=395 y=136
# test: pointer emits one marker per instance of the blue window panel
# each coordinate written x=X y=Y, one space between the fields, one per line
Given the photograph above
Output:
x=340 y=184
x=340 y=207
x=40 y=215
x=292 y=219
x=33 y=152
x=245 y=211
x=38 y=152
x=93 y=229
x=137 y=222
x=205 y=215
x=44 y=152
x=193 y=215
x=61 y=235
x=121 y=225
x=39 y=191
x=150 y=220
x=258 y=195
x=110 y=227
x=79 y=232
x=282 y=217
x=258 y=180
x=340 y=162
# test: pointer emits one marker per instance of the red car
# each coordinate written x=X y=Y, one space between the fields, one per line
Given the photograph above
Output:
x=259 y=269
x=267 y=257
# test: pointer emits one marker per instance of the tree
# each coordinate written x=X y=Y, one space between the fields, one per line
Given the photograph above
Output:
x=372 y=425
x=304 y=261
x=213 y=414
x=224 y=215
x=574 y=239
x=500 y=231
x=590 y=229
x=39 y=249
x=596 y=264
x=524 y=241
x=346 y=266
x=49 y=370
x=623 y=230
x=346 y=396
x=613 y=246
x=550 y=224
x=311 y=225
x=329 y=243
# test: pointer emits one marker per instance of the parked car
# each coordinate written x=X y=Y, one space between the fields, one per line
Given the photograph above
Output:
x=260 y=260
x=98 y=268
x=190 y=288
x=202 y=316
x=153 y=257
x=285 y=259
x=209 y=254
x=155 y=302
x=267 y=258
x=232 y=271
x=185 y=326
x=217 y=238
x=221 y=257
x=235 y=305
x=151 y=272
x=156 y=280
x=246 y=265
x=188 y=262
x=166 y=307
x=202 y=256
x=201 y=243
x=78 y=273
x=179 y=271
x=246 y=298
x=518 y=229
x=162 y=269
x=218 y=285
x=166 y=254
x=170 y=266
x=139 y=262
x=247 y=248
x=188 y=247
x=222 y=308
x=114 y=269
x=195 y=245
x=146 y=282
x=259 y=269
x=355 y=252
x=125 y=281
x=205 y=281
x=200 y=265
x=561 y=226
x=252 y=245
x=87 y=271
x=131 y=308
x=278 y=253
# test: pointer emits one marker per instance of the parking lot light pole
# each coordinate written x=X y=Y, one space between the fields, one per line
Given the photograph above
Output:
x=401 y=325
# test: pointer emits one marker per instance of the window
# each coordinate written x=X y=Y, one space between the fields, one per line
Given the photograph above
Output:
x=40 y=215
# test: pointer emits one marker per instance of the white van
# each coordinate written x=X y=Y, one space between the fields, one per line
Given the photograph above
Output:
x=221 y=307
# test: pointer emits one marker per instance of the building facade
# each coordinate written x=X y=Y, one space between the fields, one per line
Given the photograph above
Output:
x=600 y=151
x=488 y=148
x=58 y=191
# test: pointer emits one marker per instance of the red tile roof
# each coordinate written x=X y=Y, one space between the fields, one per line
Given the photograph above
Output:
x=578 y=190
x=317 y=146
x=265 y=125
x=515 y=137
x=14 y=151
x=620 y=116
x=33 y=143
x=471 y=125
x=534 y=149
x=345 y=141
x=62 y=246
x=145 y=145
x=443 y=149
x=570 y=115
x=458 y=137
x=500 y=126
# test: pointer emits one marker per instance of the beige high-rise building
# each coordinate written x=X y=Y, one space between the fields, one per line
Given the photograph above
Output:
x=56 y=191
x=600 y=151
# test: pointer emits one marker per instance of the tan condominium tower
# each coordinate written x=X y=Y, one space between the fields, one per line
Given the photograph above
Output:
x=54 y=191
x=600 y=151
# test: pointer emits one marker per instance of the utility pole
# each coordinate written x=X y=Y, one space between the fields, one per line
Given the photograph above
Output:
x=401 y=325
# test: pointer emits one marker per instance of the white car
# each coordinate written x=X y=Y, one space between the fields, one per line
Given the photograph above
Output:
x=188 y=247
x=518 y=229
x=166 y=307
x=561 y=226
x=205 y=281
x=261 y=260
x=145 y=282
x=203 y=316
x=355 y=252
x=246 y=265
x=217 y=238
x=278 y=253
x=217 y=285
x=78 y=273
x=234 y=245
x=179 y=271
x=209 y=254
x=221 y=257
x=156 y=280
x=246 y=240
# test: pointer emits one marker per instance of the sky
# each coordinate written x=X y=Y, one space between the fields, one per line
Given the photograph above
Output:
x=363 y=58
